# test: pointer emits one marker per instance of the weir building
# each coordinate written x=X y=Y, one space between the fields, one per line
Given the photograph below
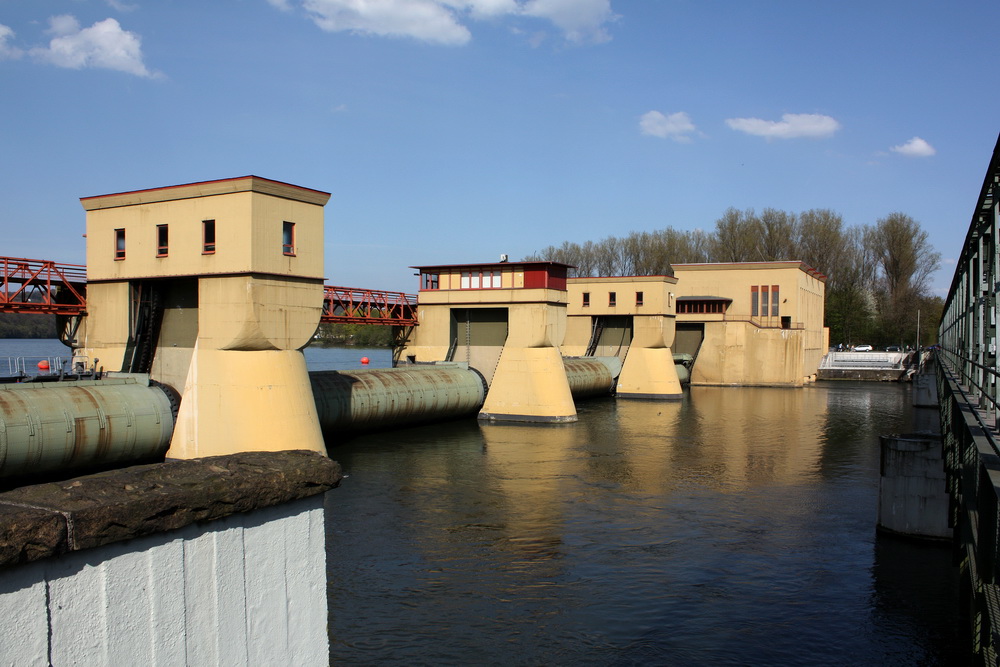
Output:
x=524 y=324
x=199 y=301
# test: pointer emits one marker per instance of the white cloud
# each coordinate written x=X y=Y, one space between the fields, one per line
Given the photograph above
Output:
x=791 y=126
x=121 y=6
x=580 y=20
x=915 y=147
x=676 y=126
x=445 y=21
x=425 y=20
x=483 y=8
x=8 y=52
x=102 y=45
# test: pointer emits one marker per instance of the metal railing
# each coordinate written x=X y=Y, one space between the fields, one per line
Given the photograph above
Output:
x=30 y=367
x=968 y=387
x=968 y=330
x=41 y=286
x=366 y=306
x=763 y=322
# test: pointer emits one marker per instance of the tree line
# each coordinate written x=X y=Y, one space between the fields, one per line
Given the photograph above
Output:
x=13 y=325
x=878 y=276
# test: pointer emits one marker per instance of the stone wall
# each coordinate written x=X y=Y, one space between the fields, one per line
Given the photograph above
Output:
x=207 y=561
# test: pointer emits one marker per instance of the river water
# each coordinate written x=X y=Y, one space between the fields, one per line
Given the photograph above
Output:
x=736 y=526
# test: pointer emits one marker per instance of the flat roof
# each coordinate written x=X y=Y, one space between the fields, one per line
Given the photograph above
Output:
x=623 y=279
x=779 y=264
x=493 y=265
x=206 y=189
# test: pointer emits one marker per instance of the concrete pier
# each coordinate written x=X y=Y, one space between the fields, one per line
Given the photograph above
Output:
x=913 y=493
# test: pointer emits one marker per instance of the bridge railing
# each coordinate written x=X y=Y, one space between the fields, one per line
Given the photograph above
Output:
x=969 y=387
x=968 y=331
x=367 y=306
x=41 y=286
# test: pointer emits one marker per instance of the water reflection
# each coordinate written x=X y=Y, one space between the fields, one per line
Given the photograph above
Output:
x=733 y=527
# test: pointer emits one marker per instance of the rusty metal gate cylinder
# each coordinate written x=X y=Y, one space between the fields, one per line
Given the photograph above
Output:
x=62 y=426
x=366 y=399
x=591 y=376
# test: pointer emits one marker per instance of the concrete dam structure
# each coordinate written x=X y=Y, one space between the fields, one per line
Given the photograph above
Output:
x=212 y=289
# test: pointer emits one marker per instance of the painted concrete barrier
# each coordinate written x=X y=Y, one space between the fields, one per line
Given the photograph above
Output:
x=205 y=561
x=913 y=496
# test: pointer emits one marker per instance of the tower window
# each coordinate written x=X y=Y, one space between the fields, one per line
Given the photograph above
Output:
x=208 y=237
x=288 y=238
x=161 y=240
x=119 y=244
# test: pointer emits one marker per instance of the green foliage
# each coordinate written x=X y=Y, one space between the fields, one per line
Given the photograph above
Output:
x=360 y=335
x=18 y=325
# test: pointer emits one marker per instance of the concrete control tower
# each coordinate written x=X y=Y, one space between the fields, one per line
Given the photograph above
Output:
x=212 y=288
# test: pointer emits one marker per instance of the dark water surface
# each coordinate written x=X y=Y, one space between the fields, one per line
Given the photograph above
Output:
x=734 y=527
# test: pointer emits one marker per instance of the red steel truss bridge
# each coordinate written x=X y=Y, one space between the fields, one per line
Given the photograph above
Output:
x=367 y=306
x=41 y=286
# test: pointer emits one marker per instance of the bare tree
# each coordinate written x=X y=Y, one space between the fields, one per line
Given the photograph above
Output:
x=905 y=261
x=737 y=237
x=823 y=243
x=779 y=235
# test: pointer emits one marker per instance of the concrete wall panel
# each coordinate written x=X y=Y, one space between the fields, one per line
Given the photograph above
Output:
x=246 y=589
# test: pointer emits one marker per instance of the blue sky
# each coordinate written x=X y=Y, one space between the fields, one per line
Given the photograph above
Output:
x=451 y=131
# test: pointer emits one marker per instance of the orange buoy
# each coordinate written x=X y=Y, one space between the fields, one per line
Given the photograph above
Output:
x=43 y=365
x=364 y=360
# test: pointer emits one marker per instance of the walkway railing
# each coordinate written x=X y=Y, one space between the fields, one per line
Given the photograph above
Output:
x=366 y=306
x=968 y=387
x=968 y=332
x=41 y=286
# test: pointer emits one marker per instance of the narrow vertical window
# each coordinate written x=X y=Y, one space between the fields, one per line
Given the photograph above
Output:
x=612 y=299
x=161 y=241
x=119 y=244
x=288 y=238
x=638 y=298
x=466 y=280
x=763 y=301
x=586 y=299
x=774 y=300
x=754 y=302
x=208 y=237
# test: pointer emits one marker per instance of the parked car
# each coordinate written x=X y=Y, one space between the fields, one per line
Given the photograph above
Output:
x=893 y=348
x=863 y=348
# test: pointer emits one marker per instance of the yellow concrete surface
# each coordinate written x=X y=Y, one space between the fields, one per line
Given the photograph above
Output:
x=248 y=212
x=780 y=346
x=237 y=401
x=529 y=385
x=234 y=315
x=258 y=312
x=649 y=373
